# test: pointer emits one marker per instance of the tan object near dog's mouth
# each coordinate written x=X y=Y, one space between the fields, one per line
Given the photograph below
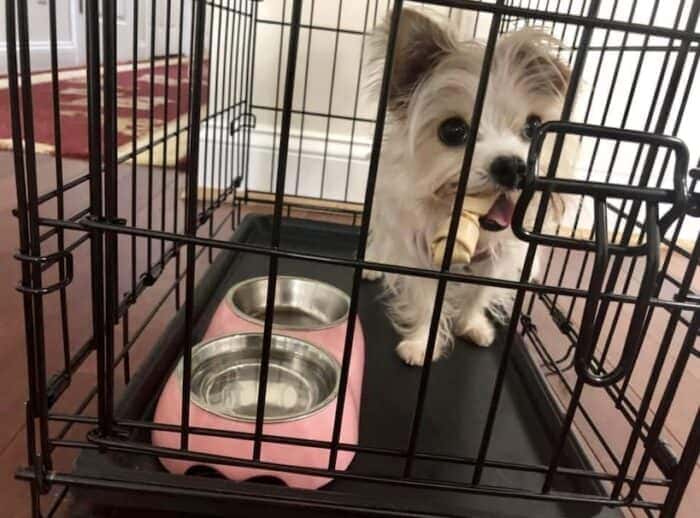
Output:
x=475 y=208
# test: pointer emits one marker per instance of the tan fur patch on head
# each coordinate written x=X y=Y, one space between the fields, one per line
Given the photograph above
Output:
x=531 y=56
x=420 y=44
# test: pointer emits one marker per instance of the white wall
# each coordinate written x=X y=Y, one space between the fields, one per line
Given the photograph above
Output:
x=630 y=104
x=312 y=93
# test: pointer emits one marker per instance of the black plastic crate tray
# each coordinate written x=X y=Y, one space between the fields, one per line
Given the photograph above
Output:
x=454 y=417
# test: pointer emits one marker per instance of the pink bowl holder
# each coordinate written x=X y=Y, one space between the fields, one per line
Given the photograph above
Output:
x=318 y=426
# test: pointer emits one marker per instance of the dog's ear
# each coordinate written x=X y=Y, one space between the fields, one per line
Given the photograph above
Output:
x=530 y=55
x=420 y=44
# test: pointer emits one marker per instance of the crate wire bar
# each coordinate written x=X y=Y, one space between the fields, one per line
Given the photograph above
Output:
x=218 y=60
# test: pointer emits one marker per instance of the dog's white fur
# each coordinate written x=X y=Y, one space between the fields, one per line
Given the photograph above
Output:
x=435 y=77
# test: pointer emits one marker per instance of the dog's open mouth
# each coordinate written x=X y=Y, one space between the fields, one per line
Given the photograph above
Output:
x=499 y=215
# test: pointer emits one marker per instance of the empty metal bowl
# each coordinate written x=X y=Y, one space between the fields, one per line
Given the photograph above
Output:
x=302 y=378
x=300 y=303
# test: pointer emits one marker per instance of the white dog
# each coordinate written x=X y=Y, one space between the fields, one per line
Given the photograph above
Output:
x=431 y=97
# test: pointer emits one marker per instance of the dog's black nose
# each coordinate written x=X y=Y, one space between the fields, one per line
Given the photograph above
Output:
x=508 y=171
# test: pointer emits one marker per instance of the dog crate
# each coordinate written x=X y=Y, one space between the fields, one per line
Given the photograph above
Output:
x=240 y=145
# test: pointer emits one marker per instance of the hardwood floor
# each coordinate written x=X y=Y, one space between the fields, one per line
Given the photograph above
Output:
x=13 y=494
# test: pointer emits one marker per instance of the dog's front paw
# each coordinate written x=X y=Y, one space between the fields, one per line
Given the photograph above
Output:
x=412 y=351
x=371 y=275
x=478 y=329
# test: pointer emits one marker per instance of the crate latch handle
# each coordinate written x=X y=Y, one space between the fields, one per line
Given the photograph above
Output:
x=655 y=226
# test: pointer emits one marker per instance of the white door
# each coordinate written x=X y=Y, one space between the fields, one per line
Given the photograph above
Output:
x=165 y=30
x=126 y=18
x=70 y=31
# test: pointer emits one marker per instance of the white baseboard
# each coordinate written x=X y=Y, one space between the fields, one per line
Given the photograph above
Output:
x=345 y=163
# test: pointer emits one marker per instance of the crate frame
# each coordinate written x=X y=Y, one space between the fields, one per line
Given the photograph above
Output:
x=101 y=227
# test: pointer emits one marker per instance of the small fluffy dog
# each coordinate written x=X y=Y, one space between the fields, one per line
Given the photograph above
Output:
x=432 y=92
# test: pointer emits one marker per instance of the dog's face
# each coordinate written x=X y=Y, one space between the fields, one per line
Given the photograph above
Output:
x=431 y=98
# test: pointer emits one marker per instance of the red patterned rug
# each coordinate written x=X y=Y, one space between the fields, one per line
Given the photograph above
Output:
x=73 y=108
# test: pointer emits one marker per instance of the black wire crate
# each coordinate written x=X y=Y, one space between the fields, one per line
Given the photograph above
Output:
x=256 y=133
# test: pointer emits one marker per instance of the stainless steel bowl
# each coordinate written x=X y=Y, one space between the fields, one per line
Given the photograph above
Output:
x=302 y=379
x=300 y=303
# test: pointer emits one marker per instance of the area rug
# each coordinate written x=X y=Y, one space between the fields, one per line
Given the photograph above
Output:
x=74 y=113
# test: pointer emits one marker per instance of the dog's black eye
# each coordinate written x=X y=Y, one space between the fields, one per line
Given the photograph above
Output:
x=453 y=131
x=531 y=124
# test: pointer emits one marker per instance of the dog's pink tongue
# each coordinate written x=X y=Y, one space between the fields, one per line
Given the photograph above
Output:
x=501 y=212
